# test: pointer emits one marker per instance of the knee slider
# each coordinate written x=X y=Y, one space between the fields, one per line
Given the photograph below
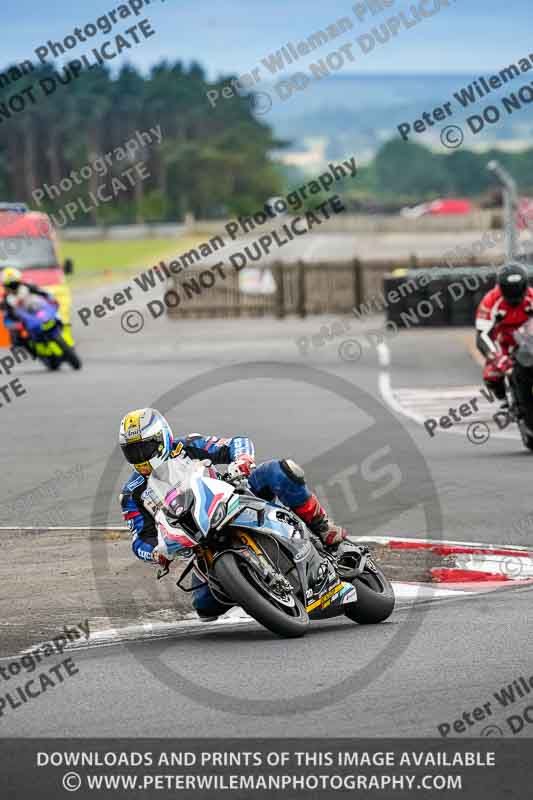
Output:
x=293 y=470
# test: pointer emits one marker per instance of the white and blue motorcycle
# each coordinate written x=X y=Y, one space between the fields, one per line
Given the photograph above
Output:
x=259 y=555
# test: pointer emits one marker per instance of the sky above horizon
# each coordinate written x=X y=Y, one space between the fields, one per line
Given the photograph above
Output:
x=233 y=36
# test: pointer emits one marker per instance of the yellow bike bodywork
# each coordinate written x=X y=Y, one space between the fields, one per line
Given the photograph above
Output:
x=62 y=294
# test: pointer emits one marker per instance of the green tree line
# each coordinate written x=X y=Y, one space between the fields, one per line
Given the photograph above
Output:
x=211 y=162
x=409 y=172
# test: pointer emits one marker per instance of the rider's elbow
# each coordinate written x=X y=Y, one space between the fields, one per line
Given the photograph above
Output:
x=481 y=344
x=142 y=550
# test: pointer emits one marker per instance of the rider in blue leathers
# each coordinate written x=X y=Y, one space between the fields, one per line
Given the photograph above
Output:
x=146 y=441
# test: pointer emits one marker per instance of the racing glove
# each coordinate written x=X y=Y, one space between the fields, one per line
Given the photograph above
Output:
x=159 y=559
x=241 y=468
x=501 y=363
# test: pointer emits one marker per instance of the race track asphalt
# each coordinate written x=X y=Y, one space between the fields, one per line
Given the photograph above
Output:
x=381 y=474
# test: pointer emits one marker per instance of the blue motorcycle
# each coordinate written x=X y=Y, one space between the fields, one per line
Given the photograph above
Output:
x=259 y=555
x=44 y=334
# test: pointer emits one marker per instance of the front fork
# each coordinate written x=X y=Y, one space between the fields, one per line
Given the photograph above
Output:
x=260 y=562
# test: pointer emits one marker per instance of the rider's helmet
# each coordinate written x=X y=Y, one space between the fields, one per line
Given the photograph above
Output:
x=11 y=278
x=512 y=280
x=145 y=439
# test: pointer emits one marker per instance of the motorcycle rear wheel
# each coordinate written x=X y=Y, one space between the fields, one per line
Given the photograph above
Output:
x=375 y=599
x=231 y=572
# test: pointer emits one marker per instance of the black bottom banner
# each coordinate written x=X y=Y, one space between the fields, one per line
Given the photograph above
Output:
x=52 y=769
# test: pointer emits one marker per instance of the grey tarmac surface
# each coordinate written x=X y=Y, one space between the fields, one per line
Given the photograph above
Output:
x=323 y=244
x=463 y=652
x=460 y=651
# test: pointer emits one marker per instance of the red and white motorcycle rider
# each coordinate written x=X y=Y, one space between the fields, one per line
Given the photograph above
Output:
x=502 y=311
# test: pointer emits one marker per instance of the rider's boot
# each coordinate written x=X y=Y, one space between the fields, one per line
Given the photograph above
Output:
x=316 y=519
x=204 y=603
x=497 y=388
x=20 y=341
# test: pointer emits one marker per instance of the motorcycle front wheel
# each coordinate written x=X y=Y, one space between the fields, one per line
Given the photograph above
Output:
x=52 y=362
x=240 y=582
x=527 y=439
x=69 y=354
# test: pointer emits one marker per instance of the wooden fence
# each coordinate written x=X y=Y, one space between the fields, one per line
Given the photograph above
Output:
x=301 y=289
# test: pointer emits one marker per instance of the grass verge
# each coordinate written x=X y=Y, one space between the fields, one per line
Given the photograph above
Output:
x=107 y=260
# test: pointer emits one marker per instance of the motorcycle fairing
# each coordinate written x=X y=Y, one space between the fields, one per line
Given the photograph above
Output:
x=40 y=324
x=216 y=505
x=209 y=493
x=171 y=538
x=342 y=593
x=262 y=517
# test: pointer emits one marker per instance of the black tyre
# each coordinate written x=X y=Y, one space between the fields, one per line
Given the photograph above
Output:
x=525 y=425
x=69 y=354
x=243 y=587
x=527 y=440
x=375 y=599
x=52 y=362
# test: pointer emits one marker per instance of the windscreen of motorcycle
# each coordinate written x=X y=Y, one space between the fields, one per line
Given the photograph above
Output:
x=171 y=485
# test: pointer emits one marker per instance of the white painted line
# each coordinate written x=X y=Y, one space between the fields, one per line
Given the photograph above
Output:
x=516 y=568
x=446 y=392
x=383 y=354
x=407 y=593
x=106 y=637
x=390 y=397
x=119 y=528
x=424 y=591
x=437 y=542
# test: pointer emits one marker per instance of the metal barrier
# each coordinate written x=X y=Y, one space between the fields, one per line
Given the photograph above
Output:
x=436 y=297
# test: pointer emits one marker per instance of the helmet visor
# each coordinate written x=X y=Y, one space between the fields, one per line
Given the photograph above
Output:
x=514 y=292
x=513 y=283
x=139 y=452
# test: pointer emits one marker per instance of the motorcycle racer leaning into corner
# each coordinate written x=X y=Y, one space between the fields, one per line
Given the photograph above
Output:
x=501 y=312
x=147 y=441
x=17 y=291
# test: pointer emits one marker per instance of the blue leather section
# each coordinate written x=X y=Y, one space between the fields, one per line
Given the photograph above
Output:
x=270 y=476
x=142 y=550
x=203 y=601
x=218 y=450
x=241 y=446
x=129 y=507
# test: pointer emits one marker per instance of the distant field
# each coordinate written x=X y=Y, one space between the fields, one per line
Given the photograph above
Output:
x=102 y=260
